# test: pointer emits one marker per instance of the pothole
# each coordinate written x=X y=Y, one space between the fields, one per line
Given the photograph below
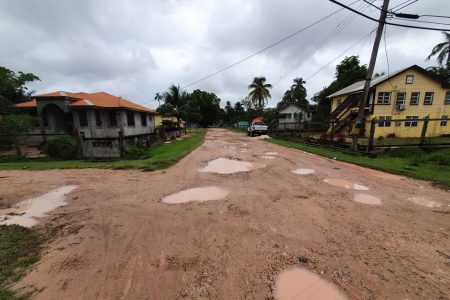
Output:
x=25 y=212
x=268 y=157
x=271 y=153
x=425 y=202
x=345 y=184
x=201 y=194
x=228 y=166
x=303 y=171
x=301 y=284
x=367 y=199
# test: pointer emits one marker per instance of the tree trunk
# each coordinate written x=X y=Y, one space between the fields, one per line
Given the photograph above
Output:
x=17 y=145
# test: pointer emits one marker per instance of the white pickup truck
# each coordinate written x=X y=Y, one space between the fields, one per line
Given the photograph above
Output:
x=257 y=128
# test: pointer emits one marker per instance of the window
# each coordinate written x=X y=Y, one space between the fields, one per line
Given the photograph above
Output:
x=82 y=116
x=444 y=120
x=98 y=118
x=130 y=118
x=409 y=79
x=428 y=98
x=288 y=116
x=112 y=118
x=295 y=116
x=411 y=121
x=384 y=98
x=401 y=97
x=384 y=121
x=415 y=96
x=447 y=98
x=143 y=119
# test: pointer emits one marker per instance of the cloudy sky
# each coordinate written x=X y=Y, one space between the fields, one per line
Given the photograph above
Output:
x=137 y=48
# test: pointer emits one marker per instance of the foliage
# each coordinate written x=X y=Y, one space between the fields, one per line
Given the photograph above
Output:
x=443 y=73
x=441 y=157
x=137 y=153
x=17 y=124
x=348 y=71
x=442 y=51
x=259 y=92
x=12 y=86
x=203 y=108
x=406 y=152
x=296 y=94
x=62 y=147
x=175 y=101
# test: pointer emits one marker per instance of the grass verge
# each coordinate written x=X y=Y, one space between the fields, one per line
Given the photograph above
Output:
x=159 y=157
x=20 y=248
x=423 y=165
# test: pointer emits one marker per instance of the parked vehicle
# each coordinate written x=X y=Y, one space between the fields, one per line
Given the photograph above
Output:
x=257 y=128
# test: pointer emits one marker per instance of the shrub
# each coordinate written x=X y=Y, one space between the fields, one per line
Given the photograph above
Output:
x=406 y=152
x=63 y=147
x=442 y=157
x=417 y=159
x=137 y=153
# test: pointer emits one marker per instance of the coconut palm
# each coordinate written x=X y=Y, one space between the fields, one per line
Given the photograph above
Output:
x=442 y=51
x=176 y=99
x=259 y=93
x=158 y=98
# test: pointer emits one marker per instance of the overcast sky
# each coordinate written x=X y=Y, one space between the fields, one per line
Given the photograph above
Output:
x=136 y=48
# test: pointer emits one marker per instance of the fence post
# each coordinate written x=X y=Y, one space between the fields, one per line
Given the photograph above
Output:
x=371 y=135
x=424 y=130
x=79 y=140
x=121 y=142
x=16 y=144
x=332 y=132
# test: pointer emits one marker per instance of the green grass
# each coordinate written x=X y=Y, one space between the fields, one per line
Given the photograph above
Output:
x=159 y=157
x=402 y=141
x=20 y=248
x=432 y=166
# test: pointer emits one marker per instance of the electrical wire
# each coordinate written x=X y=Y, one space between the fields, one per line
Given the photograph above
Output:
x=408 y=4
x=435 y=16
x=373 y=5
x=266 y=48
x=398 y=5
x=420 y=21
x=387 y=58
x=348 y=49
x=388 y=23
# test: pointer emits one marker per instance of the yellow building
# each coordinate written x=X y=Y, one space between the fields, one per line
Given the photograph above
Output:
x=398 y=101
x=159 y=118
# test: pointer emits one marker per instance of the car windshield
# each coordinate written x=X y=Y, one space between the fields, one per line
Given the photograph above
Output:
x=258 y=123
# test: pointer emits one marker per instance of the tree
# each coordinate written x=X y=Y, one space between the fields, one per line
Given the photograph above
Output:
x=158 y=98
x=259 y=92
x=348 y=71
x=12 y=86
x=14 y=125
x=295 y=95
x=203 y=108
x=442 y=52
x=175 y=101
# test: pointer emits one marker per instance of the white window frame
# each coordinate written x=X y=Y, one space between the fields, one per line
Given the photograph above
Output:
x=384 y=121
x=402 y=101
x=414 y=101
x=413 y=121
x=384 y=98
x=428 y=101
x=411 y=81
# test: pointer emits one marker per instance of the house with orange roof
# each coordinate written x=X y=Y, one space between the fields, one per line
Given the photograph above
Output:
x=99 y=119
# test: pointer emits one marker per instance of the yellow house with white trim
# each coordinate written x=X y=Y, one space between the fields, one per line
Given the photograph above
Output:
x=159 y=118
x=406 y=95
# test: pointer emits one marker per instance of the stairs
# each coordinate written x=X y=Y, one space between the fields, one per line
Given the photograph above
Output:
x=346 y=112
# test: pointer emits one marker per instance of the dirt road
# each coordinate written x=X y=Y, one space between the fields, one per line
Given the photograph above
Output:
x=118 y=241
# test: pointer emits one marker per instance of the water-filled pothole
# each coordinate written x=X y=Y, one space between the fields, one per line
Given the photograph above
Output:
x=346 y=184
x=367 y=199
x=200 y=194
x=268 y=157
x=25 y=212
x=303 y=171
x=228 y=166
x=425 y=202
x=299 y=284
x=271 y=153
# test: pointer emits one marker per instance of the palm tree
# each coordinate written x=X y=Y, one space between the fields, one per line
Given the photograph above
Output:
x=259 y=93
x=158 y=98
x=442 y=50
x=176 y=98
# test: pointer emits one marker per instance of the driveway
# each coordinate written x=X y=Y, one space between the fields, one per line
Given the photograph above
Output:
x=119 y=241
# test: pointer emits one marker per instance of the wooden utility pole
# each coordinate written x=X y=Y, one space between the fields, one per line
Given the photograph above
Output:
x=373 y=59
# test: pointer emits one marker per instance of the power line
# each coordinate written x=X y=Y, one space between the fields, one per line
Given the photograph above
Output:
x=420 y=21
x=266 y=48
x=359 y=41
x=387 y=58
x=408 y=4
x=388 y=23
x=398 y=5
x=435 y=16
x=371 y=4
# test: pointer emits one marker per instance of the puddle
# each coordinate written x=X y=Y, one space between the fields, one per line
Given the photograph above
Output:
x=271 y=153
x=268 y=157
x=200 y=194
x=425 y=202
x=263 y=137
x=346 y=184
x=228 y=166
x=299 y=284
x=25 y=212
x=368 y=199
x=302 y=171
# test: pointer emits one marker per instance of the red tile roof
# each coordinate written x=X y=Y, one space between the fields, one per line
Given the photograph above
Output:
x=101 y=99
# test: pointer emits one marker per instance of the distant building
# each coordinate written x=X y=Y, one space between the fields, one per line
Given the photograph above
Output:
x=408 y=94
x=291 y=114
x=91 y=116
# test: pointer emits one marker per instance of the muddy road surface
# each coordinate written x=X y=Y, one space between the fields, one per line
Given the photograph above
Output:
x=368 y=234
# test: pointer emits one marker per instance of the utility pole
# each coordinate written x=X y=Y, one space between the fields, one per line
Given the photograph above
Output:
x=373 y=59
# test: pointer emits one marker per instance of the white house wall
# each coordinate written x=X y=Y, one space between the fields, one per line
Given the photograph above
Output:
x=292 y=109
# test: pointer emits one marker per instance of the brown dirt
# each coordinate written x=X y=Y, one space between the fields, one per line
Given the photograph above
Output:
x=117 y=241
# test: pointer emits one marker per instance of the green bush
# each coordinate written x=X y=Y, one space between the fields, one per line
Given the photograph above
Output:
x=137 y=153
x=442 y=157
x=406 y=152
x=63 y=147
